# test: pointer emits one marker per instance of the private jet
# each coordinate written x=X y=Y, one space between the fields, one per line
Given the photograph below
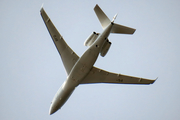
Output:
x=81 y=70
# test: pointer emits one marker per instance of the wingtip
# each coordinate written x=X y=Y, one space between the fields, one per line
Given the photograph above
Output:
x=42 y=7
x=96 y=6
x=154 y=80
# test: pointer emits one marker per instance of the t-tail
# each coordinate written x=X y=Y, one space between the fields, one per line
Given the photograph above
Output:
x=105 y=21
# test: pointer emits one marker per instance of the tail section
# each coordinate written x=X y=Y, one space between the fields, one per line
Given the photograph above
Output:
x=122 y=29
x=105 y=21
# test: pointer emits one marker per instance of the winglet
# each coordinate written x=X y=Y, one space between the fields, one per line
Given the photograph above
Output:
x=42 y=7
x=154 y=80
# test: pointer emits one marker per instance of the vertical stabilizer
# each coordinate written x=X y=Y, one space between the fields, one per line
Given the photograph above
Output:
x=104 y=20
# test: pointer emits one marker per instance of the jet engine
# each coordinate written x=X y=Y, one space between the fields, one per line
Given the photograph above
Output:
x=90 y=40
x=105 y=48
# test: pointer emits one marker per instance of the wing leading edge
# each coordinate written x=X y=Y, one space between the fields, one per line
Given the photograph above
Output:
x=97 y=75
x=68 y=56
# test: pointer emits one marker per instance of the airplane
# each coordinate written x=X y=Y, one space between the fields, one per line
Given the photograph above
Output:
x=81 y=70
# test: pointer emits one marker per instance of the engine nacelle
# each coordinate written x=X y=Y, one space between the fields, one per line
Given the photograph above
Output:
x=105 y=48
x=90 y=40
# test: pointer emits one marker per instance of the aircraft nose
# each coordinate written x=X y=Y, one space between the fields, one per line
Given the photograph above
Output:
x=51 y=112
x=52 y=109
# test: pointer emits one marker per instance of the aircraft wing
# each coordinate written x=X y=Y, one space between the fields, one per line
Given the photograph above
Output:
x=97 y=75
x=68 y=56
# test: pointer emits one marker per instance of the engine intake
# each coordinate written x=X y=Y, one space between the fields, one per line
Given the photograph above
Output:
x=90 y=40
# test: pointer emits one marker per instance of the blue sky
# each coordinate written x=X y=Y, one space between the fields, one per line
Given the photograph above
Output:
x=31 y=69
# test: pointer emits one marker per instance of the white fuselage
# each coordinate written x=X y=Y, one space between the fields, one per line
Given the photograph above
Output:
x=79 y=71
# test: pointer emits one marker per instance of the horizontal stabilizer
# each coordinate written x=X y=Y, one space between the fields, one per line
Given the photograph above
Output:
x=122 y=29
x=104 y=20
